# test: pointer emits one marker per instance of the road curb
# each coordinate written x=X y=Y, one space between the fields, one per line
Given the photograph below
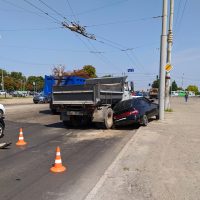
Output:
x=95 y=189
x=17 y=104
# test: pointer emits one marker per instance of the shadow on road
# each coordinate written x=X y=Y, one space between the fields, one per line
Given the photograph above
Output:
x=47 y=112
x=91 y=126
x=56 y=125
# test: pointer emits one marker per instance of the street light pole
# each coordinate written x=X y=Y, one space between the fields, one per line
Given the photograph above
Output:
x=169 y=49
x=182 y=81
x=2 y=80
x=163 y=53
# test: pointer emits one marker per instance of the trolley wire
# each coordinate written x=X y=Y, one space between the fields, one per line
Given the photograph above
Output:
x=46 y=13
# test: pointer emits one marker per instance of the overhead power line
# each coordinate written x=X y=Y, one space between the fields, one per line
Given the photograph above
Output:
x=30 y=29
x=76 y=27
x=24 y=62
x=101 y=7
x=121 y=48
x=52 y=9
x=178 y=12
x=124 y=21
x=73 y=26
x=178 y=23
x=21 y=8
x=51 y=49
x=42 y=11
x=73 y=14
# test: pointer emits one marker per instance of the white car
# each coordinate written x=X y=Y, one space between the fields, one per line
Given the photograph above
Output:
x=2 y=92
x=2 y=110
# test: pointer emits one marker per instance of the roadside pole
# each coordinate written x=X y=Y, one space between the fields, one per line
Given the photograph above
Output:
x=169 y=49
x=163 y=53
x=2 y=80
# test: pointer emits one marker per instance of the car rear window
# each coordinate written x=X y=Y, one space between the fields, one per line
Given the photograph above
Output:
x=124 y=105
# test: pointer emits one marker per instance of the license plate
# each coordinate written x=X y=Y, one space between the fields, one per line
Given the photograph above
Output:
x=74 y=113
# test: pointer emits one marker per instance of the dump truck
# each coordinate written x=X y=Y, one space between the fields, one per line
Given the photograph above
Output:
x=92 y=101
x=153 y=93
x=50 y=81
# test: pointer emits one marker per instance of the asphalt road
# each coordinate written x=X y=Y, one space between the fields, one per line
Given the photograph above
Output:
x=25 y=171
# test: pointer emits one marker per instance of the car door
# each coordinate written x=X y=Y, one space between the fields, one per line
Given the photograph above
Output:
x=142 y=106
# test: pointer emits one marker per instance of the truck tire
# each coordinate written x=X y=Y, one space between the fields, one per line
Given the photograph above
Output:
x=1 y=130
x=52 y=108
x=75 y=121
x=108 y=122
x=54 y=111
x=66 y=123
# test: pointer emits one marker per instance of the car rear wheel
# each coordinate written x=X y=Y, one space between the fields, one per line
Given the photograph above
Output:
x=157 y=117
x=144 y=120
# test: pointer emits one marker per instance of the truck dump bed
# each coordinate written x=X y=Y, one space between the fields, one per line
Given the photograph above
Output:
x=95 y=91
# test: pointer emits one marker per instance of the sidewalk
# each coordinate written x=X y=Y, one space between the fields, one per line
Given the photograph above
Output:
x=162 y=161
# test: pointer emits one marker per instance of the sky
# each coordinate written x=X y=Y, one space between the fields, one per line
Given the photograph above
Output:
x=127 y=36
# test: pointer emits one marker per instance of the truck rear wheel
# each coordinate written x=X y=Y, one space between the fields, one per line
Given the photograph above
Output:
x=108 y=122
x=54 y=111
x=75 y=122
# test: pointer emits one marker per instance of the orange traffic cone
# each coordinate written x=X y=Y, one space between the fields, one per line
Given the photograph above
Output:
x=58 y=167
x=21 y=141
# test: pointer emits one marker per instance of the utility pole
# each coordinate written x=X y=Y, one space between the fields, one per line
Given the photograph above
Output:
x=2 y=80
x=182 y=81
x=21 y=85
x=169 y=49
x=163 y=53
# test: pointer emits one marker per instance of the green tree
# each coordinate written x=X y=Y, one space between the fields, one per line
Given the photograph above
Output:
x=90 y=70
x=174 y=86
x=155 y=84
x=5 y=73
x=39 y=83
x=17 y=75
x=193 y=88
x=9 y=83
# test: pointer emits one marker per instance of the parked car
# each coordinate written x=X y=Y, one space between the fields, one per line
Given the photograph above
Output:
x=18 y=94
x=41 y=98
x=2 y=111
x=135 y=110
x=2 y=127
x=2 y=92
x=140 y=94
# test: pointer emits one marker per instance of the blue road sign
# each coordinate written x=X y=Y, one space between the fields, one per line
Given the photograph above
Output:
x=131 y=70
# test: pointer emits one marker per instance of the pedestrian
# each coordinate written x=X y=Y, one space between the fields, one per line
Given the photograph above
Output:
x=186 y=96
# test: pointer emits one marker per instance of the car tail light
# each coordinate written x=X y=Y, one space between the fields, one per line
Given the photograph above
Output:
x=126 y=114
x=134 y=112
